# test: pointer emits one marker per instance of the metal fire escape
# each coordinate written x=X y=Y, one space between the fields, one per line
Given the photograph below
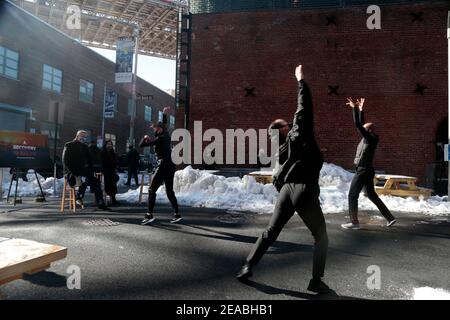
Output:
x=182 y=88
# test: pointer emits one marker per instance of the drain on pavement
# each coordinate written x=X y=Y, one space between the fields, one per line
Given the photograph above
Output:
x=100 y=223
x=234 y=217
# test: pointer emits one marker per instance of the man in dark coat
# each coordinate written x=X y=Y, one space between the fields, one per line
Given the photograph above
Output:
x=109 y=164
x=133 y=158
x=297 y=180
x=78 y=168
x=365 y=172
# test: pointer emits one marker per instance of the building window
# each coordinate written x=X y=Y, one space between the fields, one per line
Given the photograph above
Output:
x=86 y=91
x=52 y=79
x=112 y=137
x=172 y=121
x=148 y=113
x=160 y=116
x=9 y=63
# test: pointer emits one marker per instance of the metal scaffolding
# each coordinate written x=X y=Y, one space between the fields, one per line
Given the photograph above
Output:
x=103 y=21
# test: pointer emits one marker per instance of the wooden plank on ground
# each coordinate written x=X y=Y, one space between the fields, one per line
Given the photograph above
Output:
x=19 y=256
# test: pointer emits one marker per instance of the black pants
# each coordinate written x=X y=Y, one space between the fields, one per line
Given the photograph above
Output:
x=303 y=199
x=364 y=179
x=133 y=172
x=94 y=183
x=164 y=173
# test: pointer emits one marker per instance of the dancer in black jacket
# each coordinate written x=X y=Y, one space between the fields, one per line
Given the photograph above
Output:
x=364 y=168
x=297 y=180
x=164 y=172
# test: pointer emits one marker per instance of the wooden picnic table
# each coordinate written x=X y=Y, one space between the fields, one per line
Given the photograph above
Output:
x=401 y=186
x=394 y=185
x=19 y=257
x=263 y=177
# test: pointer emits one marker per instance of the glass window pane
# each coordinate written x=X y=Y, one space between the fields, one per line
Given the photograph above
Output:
x=90 y=85
x=47 y=84
x=2 y=51
x=11 y=63
x=47 y=77
x=1 y=69
x=57 y=73
x=47 y=69
x=56 y=88
x=57 y=81
x=11 y=73
x=82 y=90
x=12 y=54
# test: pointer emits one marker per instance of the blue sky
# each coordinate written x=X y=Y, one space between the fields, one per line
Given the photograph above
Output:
x=159 y=72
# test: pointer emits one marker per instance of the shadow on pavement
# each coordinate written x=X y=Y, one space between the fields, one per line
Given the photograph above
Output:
x=296 y=294
x=47 y=279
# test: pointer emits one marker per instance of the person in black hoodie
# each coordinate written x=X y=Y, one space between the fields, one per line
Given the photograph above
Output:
x=297 y=180
x=165 y=170
x=365 y=172
x=133 y=158
x=78 y=165
x=109 y=164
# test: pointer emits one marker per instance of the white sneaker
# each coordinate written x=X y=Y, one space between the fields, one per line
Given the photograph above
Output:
x=176 y=218
x=148 y=219
x=391 y=223
x=350 y=225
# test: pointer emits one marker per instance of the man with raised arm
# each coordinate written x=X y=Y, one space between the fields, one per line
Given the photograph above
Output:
x=297 y=180
x=365 y=172
x=165 y=170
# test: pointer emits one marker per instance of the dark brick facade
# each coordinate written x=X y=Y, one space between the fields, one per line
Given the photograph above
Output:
x=234 y=51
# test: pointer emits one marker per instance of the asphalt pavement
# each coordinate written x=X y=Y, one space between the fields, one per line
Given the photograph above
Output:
x=199 y=257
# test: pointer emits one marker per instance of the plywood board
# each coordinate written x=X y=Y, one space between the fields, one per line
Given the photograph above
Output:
x=19 y=256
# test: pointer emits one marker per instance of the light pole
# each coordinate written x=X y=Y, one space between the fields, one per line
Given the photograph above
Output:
x=448 y=93
x=133 y=92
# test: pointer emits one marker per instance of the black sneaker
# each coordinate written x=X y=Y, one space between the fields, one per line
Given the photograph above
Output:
x=176 y=218
x=103 y=207
x=245 y=272
x=318 y=286
x=148 y=219
x=80 y=202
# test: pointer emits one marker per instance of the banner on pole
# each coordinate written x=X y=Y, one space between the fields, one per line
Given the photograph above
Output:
x=446 y=153
x=110 y=103
x=124 y=59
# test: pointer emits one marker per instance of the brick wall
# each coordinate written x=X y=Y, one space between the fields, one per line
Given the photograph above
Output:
x=234 y=51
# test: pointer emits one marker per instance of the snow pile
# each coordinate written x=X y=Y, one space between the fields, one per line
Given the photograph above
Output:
x=427 y=293
x=199 y=188
x=30 y=188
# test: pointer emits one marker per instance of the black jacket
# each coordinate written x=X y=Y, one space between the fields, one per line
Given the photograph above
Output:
x=96 y=158
x=303 y=157
x=133 y=158
x=368 y=144
x=76 y=159
x=162 y=143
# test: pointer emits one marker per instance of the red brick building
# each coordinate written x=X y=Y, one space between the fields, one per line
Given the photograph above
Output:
x=401 y=70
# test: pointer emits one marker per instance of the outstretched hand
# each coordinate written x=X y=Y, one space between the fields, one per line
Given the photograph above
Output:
x=350 y=103
x=360 y=103
x=299 y=72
